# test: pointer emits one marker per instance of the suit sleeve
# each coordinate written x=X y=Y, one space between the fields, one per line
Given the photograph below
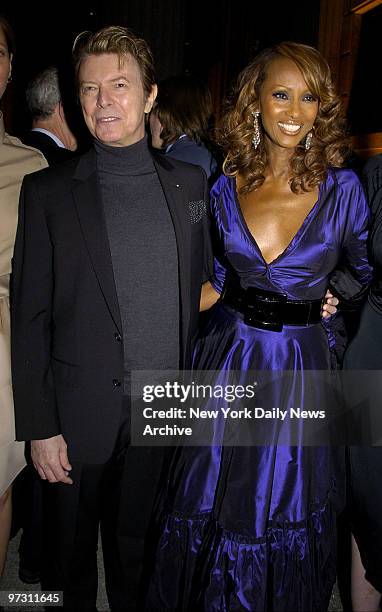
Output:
x=208 y=256
x=372 y=177
x=31 y=316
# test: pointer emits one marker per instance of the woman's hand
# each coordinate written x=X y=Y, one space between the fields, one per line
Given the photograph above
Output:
x=330 y=304
x=209 y=296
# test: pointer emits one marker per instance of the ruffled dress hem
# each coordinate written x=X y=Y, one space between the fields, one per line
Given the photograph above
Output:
x=291 y=567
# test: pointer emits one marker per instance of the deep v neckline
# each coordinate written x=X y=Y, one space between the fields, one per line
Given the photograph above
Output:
x=294 y=240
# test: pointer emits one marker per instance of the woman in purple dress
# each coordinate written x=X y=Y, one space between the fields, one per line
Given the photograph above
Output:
x=254 y=527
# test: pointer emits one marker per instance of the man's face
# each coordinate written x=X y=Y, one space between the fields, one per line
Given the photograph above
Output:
x=113 y=100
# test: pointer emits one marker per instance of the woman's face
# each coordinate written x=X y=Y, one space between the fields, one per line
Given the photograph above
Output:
x=5 y=63
x=155 y=129
x=287 y=106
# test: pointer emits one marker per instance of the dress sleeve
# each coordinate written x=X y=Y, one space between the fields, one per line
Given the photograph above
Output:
x=219 y=273
x=354 y=273
x=350 y=281
x=218 y=277
x=356 y=248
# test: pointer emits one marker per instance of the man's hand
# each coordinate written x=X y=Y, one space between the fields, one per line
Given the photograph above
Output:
x=329 y=307
x=50 y=459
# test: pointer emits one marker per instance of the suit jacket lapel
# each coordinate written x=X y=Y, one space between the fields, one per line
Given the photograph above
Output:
x=177 y=204
x=92 y=220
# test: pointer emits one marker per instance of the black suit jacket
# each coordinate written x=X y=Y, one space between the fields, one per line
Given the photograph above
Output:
x=48 y=147
x=67 y=353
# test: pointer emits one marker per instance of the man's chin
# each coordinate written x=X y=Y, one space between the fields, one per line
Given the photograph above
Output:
x=108 y=137
x=109 y=134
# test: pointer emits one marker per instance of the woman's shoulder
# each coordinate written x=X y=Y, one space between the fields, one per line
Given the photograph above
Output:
x=13 y=151
x=220 y=185
x=344 y=177
x=346 y=191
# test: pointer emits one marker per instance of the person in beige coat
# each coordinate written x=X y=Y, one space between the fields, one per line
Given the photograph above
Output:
x=16 y=160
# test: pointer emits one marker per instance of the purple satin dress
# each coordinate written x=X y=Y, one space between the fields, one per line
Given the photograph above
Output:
x=254 y=528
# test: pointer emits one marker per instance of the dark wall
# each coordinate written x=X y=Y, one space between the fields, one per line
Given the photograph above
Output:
x=232 y=32
x=213 y=39
x=364 y=112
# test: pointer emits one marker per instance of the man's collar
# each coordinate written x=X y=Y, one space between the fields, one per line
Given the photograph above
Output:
x=51 y=135
x=87 y=163
x=169 y=147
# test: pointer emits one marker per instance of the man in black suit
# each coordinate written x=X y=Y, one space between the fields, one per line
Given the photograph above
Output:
x=50 y=131
x=111 y=252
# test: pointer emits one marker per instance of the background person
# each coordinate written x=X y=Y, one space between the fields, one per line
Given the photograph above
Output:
x=365 y=463
x=16 y=160
x=50 y=131
x=180 y=122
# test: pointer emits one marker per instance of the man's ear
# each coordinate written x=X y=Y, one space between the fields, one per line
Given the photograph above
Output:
x=151 y=98
x=60 y=110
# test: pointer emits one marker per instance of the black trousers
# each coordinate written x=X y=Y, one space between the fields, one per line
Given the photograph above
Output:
x=29 y=497
x=72 y=516
x=118 y=496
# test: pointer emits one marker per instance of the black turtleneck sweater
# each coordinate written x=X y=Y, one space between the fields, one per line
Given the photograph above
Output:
x=144 y=256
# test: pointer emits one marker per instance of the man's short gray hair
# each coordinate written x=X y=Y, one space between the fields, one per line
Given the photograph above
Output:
x=43 y=93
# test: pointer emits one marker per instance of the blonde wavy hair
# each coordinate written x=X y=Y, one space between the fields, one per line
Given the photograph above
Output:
x=329 y=146
x=122 y=42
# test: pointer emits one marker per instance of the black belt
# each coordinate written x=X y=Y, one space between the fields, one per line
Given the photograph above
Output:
x=269 y=310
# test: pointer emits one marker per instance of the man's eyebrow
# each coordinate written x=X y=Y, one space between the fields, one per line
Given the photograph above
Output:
x=113 y=80
x=118 y=78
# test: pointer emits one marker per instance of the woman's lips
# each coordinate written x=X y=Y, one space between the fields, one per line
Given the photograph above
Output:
x=290 y=128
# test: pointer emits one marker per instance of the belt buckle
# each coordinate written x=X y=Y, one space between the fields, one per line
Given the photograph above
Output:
x=263 y=309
